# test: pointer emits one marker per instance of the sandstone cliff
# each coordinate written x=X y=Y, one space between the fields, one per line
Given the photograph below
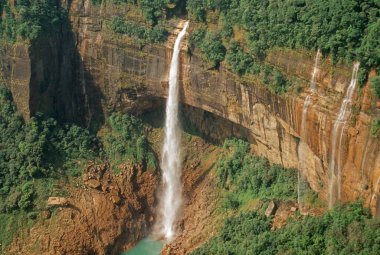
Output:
x=131 y=79
x=111 y=73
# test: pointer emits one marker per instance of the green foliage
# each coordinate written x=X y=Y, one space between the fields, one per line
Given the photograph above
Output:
x=27 y=196
x=348 y=30
x=369 y=51
x=154 y=9
x=156 y=34
x=375 y=83
x=245 y=174
x=31 y=154
x=31 y=19
x=211 y=46
x=343 y=230
x=375 y=128
x=96 y=2
x=196 y=9
x=126 y=141
x=37 y=149
x=239 y=61
x=10 y=224
x=213 y=49
x=196 y=38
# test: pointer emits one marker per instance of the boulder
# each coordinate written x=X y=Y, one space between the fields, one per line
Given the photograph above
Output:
x=271 y=209
x=93 y=183
x=57 y=201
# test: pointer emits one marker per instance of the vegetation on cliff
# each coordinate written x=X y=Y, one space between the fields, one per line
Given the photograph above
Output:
x=243 y=175
x=37 y=149
x=29 y=19
x=32 y=156
x=348 y=30
x=375 y=82
x=375 y=128
x=156 y=34
x=210 y=44
x=343 y=230
x=125 y=141
x=35 y=156
x=346 y=229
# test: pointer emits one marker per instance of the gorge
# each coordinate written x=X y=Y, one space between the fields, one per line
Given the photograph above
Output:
x=255 y=98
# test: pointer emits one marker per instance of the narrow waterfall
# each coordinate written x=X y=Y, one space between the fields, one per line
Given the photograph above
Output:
x=303 y=132
x=335 y=168
x=171 y=198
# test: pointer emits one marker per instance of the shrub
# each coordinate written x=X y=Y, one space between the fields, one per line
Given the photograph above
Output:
x=239 y=61
x=126 y=141
x=344 y=230
x=156 y=34
x=375 y=83
x=196 y=38
x=33 y=18
x=375 y=128
x=196 y=9
x=212 y=49
x=247 y=174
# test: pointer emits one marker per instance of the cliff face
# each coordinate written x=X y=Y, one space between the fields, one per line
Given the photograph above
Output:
x=112 y=73
x=131 y=79
x=43 y=76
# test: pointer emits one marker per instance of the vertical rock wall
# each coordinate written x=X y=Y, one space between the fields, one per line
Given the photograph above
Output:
x=92 y=72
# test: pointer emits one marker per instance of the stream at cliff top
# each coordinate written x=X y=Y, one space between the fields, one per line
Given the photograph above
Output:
x=146 y=247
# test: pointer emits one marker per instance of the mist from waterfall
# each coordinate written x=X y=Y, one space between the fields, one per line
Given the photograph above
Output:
x=171 y=197
x=335 y=167
x=303 y=133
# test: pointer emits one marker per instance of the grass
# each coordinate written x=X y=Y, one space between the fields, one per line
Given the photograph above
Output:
x=11 y=224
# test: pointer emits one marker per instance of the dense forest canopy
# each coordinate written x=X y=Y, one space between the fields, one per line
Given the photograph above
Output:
x=347 y=30
x=29 y=19
x=344 y=230
x=38 y=149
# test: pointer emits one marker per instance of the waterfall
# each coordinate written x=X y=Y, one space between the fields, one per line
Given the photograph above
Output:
x=335 y=168
x=303 y=131
x=171 y=200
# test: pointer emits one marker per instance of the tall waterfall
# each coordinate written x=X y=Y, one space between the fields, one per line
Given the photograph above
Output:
x=171 y=200
x=335 y=168
x=303 y=132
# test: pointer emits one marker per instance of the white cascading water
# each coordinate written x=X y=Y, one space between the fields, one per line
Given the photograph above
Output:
x=335 y=168
x=303 y=131
x=171 y=200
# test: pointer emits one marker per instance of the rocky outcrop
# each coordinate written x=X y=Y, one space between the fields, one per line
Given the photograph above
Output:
x=104 y=219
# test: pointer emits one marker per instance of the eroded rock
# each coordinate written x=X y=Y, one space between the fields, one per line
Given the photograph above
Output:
x=271 y=209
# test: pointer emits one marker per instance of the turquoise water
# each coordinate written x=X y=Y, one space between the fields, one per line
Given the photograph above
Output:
x=145 y=247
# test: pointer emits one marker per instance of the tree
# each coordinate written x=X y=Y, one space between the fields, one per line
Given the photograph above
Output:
x=213 y=49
